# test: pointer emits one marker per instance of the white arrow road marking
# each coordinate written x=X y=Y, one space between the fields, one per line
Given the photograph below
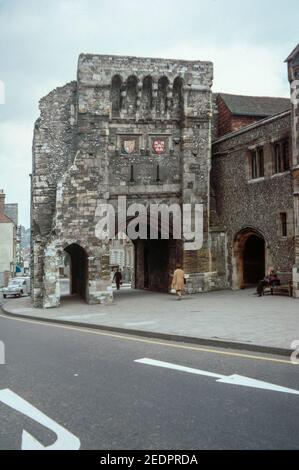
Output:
x=65 y=439
x=2 y=353
x=232 y=379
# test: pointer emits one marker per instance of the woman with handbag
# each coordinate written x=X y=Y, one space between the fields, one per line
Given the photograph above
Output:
x=178 y=281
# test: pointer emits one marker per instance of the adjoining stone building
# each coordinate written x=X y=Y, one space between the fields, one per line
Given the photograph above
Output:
x=142 y=128
x=253 y=183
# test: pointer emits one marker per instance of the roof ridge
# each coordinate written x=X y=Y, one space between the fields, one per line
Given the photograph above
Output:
x=251 y=126
x=252 y=96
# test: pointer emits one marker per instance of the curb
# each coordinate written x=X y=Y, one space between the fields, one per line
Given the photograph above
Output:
x=222 y=344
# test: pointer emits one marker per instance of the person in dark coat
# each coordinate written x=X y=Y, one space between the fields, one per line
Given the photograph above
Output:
x=268 y=281
x=117 y=278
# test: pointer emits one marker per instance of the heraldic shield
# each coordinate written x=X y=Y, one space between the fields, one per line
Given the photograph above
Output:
x=159 y=146
x=129 y=146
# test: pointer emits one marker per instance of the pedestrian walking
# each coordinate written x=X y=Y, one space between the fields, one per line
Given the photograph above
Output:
x=117 y=278
x=178 y=281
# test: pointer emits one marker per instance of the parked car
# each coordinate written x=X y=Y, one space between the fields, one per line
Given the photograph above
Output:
x=17 y=287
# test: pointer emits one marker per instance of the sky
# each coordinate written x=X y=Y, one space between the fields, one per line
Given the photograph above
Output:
x=40 y=41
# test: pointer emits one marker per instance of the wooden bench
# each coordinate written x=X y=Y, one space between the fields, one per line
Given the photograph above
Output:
x=285 y=288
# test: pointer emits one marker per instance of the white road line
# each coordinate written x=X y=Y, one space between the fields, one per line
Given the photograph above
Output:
x=2 y=353
x=65 y=439
x=232 y=379
x=168 y=365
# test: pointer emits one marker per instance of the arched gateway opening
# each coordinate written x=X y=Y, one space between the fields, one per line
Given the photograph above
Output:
x=155 y=262
x=154 y=259
x=78 y=270
x=249 y=258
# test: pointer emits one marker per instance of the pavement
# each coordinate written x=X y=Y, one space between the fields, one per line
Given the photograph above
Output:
x=235 y=320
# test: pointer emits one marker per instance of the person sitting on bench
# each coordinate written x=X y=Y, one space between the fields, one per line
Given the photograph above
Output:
x=268 y=281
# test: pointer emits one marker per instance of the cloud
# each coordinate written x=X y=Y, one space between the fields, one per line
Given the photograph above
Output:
x=40 y=42
x=2 y=92
x=15 y=156
x=241 y=68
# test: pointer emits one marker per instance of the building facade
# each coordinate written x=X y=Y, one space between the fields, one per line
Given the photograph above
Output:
x=139 y=128
x=7 y=244
x=142 y=129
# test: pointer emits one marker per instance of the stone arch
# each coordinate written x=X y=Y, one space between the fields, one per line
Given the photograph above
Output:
x=132 y=83
x=83 y=244
x=147 y=93
x=78 y=269
x=178 y=97
x=249 y=257
x=116 y=95
x=162 y=99
x=155 y=257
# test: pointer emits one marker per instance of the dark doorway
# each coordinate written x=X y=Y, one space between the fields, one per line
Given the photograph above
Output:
x=155 y=262
x=253 y=260
x=78 y=270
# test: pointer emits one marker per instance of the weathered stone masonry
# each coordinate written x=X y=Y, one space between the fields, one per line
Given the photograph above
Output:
x=79 y=162
x=94 y=141
x=245 y=205
x=293 y=74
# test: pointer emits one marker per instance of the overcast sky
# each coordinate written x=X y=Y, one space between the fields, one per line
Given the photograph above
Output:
x=40 y=41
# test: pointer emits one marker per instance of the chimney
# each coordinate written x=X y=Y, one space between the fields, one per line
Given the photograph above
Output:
x=2 y=202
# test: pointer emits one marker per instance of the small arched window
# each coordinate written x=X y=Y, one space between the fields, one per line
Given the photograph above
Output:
x=162 y=105
x=147 y=93
x=178 y=97
x=131 y=95
x=116 y=98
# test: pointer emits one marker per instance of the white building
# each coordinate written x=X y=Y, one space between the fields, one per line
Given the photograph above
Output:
x=7 y=243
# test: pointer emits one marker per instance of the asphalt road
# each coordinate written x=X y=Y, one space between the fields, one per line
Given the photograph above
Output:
x=89 y=383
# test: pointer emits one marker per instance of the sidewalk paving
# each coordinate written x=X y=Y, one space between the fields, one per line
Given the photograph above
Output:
x=226 y=319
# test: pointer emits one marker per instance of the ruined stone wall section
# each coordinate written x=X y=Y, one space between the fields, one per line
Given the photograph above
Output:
x=53 y=151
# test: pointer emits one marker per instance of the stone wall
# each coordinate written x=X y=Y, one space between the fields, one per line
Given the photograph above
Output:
x=254 y=204
x=53 y=151
x=293 y=73
x=95 y=141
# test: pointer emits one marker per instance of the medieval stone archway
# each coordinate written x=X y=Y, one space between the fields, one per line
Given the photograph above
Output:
x=249 y=258
x=78 y=269
x=155 y=262
x=155 y=256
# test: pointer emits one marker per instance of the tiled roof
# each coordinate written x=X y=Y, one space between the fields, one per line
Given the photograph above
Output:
x=254 y=125
x=260 y=106
x=5 y=220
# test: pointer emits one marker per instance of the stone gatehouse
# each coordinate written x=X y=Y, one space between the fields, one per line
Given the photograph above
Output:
x=143 y=128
